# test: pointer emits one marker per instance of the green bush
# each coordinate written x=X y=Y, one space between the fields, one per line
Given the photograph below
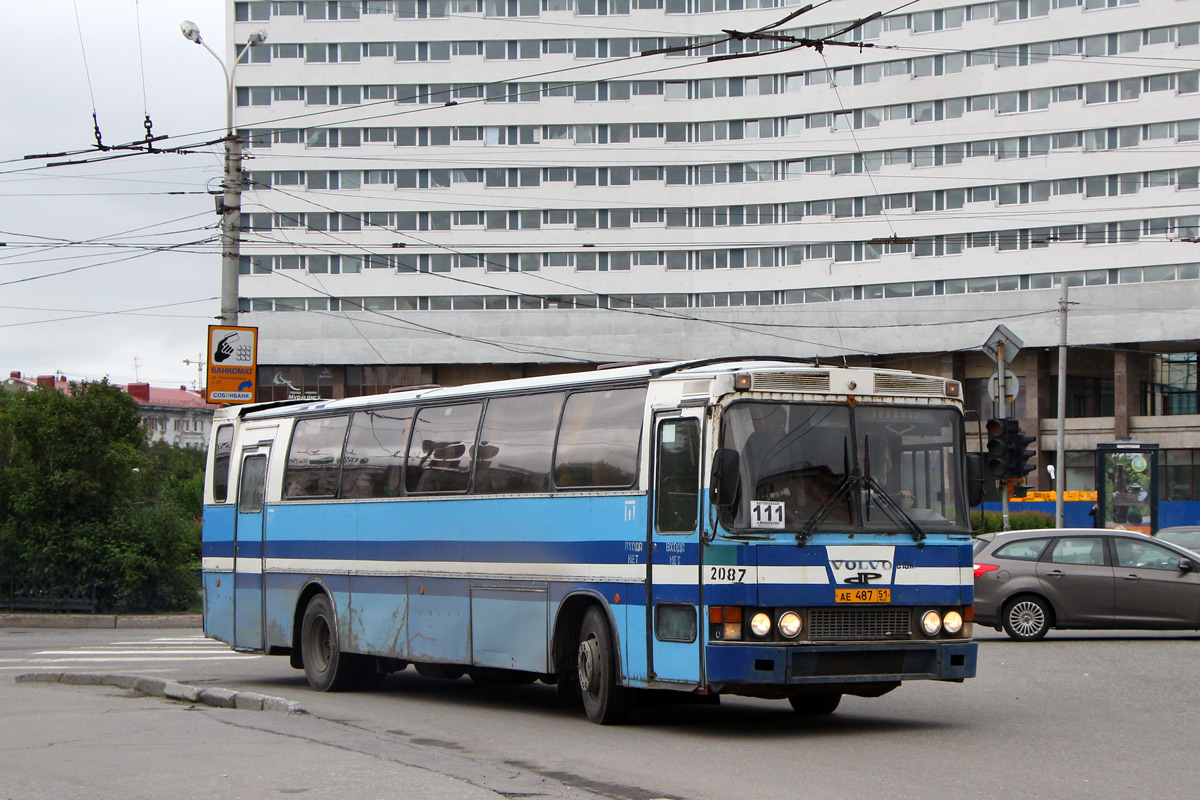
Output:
x=993 y=521
x=84 y=498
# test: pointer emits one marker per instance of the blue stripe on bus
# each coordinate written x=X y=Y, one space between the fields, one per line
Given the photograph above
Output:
x=219 y=549
x=593 y=552
x=461 y=519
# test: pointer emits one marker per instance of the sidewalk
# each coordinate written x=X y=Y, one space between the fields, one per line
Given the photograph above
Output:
x=60 y=741
x=100 y=621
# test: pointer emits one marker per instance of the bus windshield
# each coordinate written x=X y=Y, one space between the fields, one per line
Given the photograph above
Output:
x=810 y=467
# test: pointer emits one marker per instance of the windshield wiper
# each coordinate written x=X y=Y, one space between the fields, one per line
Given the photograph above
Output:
x=847 y=485
x=892 y=508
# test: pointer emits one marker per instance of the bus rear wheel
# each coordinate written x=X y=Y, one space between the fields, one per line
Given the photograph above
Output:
x=604 y=700
x=325 y=666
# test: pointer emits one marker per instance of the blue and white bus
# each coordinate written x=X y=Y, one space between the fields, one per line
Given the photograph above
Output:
x=759 y=527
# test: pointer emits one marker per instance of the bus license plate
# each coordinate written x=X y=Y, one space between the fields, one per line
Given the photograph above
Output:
x=863 y=595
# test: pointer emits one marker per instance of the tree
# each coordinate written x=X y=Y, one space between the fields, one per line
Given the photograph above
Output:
x=82 y=497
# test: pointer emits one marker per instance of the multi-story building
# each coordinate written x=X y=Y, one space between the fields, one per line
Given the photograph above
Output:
x=450 y=190
x=179 y=417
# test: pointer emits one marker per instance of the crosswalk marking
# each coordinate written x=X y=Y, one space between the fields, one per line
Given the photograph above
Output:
x=148 y=651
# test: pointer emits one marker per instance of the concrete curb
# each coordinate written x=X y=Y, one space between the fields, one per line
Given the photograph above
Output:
x=157 y=687
x=100 y=621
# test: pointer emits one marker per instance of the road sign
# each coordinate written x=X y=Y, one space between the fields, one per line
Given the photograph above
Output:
x=232 y=364
x=1011 y=386
x=1002 y=335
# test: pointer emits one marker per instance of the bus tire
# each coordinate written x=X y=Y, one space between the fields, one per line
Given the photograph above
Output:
x=604 y=700
x=815 y=705
x=325 y=666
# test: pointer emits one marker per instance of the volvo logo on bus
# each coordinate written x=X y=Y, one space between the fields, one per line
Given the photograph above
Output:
x=853 y=565
x=861 y=565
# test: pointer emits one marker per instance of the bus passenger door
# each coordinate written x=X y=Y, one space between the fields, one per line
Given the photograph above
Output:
x=673 y=615
x=248 y=552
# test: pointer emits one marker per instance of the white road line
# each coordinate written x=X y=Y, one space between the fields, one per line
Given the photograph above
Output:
x=121 y=652
x=137 y=659
x=197 y=641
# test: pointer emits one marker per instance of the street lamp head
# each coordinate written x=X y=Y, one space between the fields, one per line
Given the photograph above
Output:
x=190 y=31
x=256 y=38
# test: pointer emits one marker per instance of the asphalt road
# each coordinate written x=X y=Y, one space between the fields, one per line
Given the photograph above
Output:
x=1078 y=715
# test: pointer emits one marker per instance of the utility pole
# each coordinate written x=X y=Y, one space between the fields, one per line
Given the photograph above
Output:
x=230 y=207
x=1060 y=473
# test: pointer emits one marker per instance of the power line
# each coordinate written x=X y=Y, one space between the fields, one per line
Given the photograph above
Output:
x=77 y=314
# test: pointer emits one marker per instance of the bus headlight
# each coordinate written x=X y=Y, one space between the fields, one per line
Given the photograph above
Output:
x=760 y=624
x=931 y=623
x=790 y=624
x=952 y=622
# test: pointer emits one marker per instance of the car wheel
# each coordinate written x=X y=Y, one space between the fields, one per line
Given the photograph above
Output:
x=1027 y=619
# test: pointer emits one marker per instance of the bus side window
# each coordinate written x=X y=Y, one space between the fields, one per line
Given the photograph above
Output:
x=375 y=447
x=516 y=444
x=315 y=457
x=441 y=450
x=598 y=439
x=223 y=448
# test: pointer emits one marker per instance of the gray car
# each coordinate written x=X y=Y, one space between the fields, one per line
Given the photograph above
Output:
x=1183 y=535
x=1027 y=582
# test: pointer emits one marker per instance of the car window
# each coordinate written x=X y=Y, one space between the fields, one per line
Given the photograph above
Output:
x=1087 y=550
x=1134 y=554
x=981 y=543
x=1026 y=550
x=1188 y=539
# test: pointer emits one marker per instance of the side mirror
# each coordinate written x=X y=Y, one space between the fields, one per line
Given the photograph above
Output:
x=1186 y=565
x=724 y=481
x=974 y=479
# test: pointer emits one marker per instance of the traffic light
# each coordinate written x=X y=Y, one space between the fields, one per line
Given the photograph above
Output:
x=1018 y=456
x=1007 y=455
x=997 y=448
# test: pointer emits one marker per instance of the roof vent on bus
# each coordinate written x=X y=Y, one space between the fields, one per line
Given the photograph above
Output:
x=909 y=384
x=790 y=382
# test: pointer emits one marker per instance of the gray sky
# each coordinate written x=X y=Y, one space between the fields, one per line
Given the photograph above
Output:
x=60 y=305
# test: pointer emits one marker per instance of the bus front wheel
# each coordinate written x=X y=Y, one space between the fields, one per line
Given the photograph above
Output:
x=326 y=667
x=605 y=701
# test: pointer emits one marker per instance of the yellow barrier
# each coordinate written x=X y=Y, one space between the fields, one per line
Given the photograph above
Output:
x=1050 y=497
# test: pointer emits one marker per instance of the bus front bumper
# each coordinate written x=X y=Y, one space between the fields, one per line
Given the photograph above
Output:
x=747 y=665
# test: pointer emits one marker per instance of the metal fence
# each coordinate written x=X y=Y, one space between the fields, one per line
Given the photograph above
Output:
x=33 y=594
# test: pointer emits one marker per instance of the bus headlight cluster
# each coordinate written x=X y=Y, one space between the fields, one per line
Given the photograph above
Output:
x=951 y=622
x=761 y=624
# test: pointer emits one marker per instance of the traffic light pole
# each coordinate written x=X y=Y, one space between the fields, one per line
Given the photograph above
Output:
x=1002 y=396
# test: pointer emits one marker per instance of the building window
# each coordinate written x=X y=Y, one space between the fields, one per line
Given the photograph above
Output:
x=1174 y=390
x=1179 y=475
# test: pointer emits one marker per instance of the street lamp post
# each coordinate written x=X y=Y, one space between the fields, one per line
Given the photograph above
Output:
x=231 y=200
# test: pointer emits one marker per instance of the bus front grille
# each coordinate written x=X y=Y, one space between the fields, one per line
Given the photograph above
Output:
x=858 y=624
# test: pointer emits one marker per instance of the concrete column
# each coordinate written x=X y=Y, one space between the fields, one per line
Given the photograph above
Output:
x=1126 y=389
